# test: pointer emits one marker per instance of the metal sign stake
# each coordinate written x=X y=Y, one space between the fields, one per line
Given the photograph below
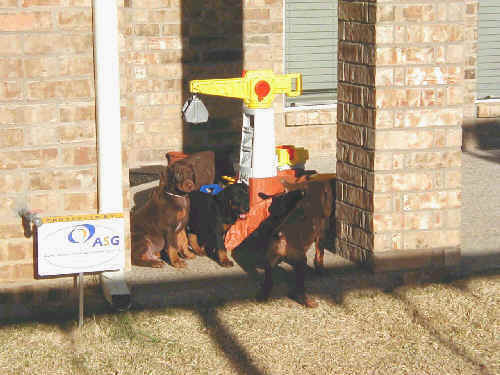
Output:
x=80 y=307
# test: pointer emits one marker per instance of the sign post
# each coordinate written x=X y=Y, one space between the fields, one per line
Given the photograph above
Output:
x=73 y=245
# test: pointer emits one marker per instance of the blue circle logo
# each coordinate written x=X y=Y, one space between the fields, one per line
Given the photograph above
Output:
x=81 y=233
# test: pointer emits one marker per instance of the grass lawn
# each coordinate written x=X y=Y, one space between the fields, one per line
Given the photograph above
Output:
x=360 y=327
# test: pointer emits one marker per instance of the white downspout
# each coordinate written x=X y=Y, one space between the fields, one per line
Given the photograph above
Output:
x=109 y=147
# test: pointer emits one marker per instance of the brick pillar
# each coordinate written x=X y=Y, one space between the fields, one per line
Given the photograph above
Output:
x=400 y=111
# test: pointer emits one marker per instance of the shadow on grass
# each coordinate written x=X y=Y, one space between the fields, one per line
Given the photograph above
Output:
x=233 y=350
x=205 y=295
x=445 y=340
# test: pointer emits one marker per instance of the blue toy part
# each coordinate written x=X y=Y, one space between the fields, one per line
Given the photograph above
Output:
x=212 y=189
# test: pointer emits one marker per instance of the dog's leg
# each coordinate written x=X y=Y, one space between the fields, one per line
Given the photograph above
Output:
x=276 y=252
x=223 y=259
x=195 y=246
x=220 y=248
x=299 y=293
x=182 y=241
x=267 y=286
x=172 y=251
x=319 y=256
x=148 y=253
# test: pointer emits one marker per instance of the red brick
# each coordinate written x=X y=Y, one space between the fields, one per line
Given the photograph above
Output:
x=72 y=19
x=23 y=271
x=11 y=90
x=11 y=68
x=20 y=250
x=78 y=112
x=11 y=182
x=11 y=137
x=37 y=3
x=38 y=44
x=82 y=88
x=29 y=159
x=11 y=44
x=8 y=231
x=80 y=155
x=33 y=21
x=75 y=133
x=8 y=3
x=6 y=273
x=47 y=203
x=80 y=202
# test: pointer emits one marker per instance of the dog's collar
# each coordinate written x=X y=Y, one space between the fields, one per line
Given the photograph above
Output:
x=175 y=195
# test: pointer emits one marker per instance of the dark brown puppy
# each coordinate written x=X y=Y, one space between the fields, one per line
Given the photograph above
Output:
x=202 y=164
x=210 y=217
x=304 y=225
x=161 y=222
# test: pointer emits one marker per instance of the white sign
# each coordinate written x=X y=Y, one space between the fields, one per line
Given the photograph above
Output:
x=74 y=244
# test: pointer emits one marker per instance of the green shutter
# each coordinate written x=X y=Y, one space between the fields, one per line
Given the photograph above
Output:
x=488 y=59
x=311 y=48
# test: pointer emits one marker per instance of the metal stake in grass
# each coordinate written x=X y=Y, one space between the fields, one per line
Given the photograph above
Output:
x=79 y=285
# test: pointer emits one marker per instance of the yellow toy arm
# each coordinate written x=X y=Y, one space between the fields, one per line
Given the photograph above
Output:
x=257 y=88
x=284 y=84
x=227 y=87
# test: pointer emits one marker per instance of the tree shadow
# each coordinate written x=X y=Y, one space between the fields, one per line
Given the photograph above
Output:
x=445 y=340
x=238 y=356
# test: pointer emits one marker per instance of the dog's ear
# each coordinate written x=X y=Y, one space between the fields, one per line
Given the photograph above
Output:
x=187 y=184
x=203 y=165
x=163 y=178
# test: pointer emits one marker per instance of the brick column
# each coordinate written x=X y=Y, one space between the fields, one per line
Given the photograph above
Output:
x=400 y=111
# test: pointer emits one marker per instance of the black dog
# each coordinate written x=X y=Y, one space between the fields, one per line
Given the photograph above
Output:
x=211 y=216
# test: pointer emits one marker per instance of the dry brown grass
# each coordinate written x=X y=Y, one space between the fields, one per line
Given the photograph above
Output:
x=432 y=328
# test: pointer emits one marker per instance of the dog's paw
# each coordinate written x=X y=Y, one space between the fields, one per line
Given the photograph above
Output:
x=179 y=263
x=304 y=300
x=262 y=296
x=158 y=263
x=226 y=263
x=199 y=251
x=188 y=254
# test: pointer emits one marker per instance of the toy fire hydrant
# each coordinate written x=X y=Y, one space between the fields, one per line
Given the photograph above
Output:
x=258 y=164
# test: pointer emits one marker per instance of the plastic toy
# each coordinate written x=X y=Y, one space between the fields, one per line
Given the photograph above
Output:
x=258 y=159
x=212 y=189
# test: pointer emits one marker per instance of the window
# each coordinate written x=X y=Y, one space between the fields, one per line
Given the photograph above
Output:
x=311 y=49
x=488 y=57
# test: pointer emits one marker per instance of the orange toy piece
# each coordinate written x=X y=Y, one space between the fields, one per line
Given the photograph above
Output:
x=259 y=208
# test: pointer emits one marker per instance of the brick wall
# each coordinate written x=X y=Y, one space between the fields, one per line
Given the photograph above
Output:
x=47 y=120
x=400 y=111
x=47 y=127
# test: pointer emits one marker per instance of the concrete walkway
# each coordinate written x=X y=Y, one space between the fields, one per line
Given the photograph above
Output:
x=205 y=280
x=481 y=208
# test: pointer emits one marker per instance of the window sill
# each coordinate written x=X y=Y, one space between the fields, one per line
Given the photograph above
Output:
x=488 y=108
x=312 y=107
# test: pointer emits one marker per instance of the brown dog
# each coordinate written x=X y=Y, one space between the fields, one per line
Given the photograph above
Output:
x=160 y=223
x=306 y=224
